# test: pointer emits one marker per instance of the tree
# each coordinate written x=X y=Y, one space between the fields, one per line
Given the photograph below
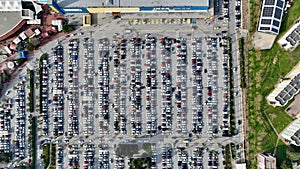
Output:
x=284 y=165
x=67 y=28
x=20 y=46
x=30 y=46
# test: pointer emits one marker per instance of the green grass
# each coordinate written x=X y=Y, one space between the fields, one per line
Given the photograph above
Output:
x=53 y=155
x=51 y=162
x=242 y=63
x=140 y=163
x=264 y=73
x=46 y=154
x=227 y=157
x=254 y=13
x=33 y=142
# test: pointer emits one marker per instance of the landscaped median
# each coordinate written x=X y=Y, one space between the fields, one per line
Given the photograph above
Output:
x=32 y=140
x=228 y=157
x=46 y=155
x=49 y=155
x=31 y=93
x=242 y=63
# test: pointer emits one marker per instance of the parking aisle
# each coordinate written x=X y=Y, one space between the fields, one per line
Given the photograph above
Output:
x=135 y=86
x=167 y=117
x=88 y=87
x=204 y=91
x=103 y=85
x=181 y=84
x=197 y=87
x=150 y=79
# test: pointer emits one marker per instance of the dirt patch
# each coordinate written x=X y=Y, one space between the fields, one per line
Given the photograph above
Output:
x=246 y=14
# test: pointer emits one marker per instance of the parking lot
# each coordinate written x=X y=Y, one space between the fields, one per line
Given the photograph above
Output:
x=181 y=83
x=143 y=83
x=155 y=84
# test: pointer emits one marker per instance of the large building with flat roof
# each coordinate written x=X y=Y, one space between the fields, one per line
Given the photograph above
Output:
x=131 y=3
x=14 y=14
x=291 y=134
x=291 y=39
x=266 y=161
x=286 y=89
x=271 y=16
x=98 y=6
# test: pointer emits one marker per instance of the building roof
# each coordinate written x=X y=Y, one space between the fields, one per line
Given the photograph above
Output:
x=130 y=3
x=23 y=36
x=17 y=40
x=29 y=33
x=10 y=5
x=22 y=54
x=37 y=32
x=271 y=16
x=290 y=40
x=13 y=46
x=9 y=20
x=286 y=89
x=6 y=48
x=292 y=133
x=241 y=166
x=87 y=21
x=265 y=160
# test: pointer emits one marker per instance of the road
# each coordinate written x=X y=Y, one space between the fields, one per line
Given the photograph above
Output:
x=238 y=94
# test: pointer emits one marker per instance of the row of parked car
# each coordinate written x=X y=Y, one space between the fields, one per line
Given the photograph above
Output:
x=213 y=159
x=181 y=85
x=197 y=95
x=123 y=89
x=119 y=81
x=136 y=86
x=196 y=159
x=59 y=156
x=154 y=156
x=44 y=88
x=226 y=69
x=89 y=156
x=226 y=10
x=58 y=91
x=167 y=154
x=88 y=87
x=73 y=156
x=119 y=162
x=238 y=13
x=103 y=85
x=166 y=88
x=212 y=85
x=104 y=158
x=5 y=126
x=73 y=120
x=151 y=85
x=183 y=158
x=20 y=122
